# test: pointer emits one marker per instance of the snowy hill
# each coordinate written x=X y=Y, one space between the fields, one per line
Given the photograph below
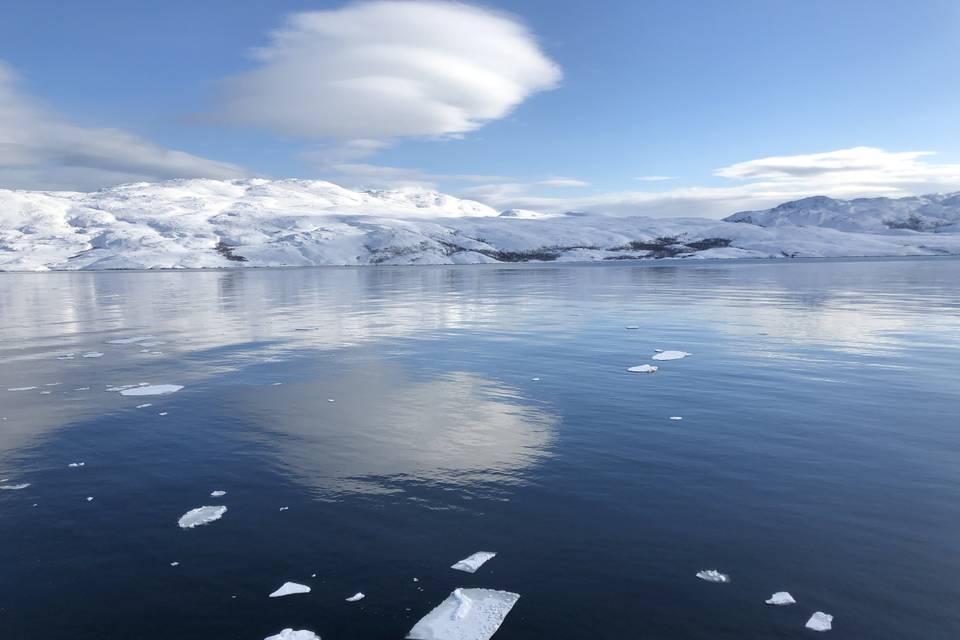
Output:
x=938 y=212
x=261 y=223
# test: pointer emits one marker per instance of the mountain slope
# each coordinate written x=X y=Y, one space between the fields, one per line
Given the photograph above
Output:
x=222 y=223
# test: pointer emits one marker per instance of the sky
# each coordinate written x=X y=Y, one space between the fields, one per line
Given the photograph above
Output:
x=666 y=108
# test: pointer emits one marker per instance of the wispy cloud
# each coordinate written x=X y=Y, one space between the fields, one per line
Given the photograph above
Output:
x=39 y=149
x=654 y=178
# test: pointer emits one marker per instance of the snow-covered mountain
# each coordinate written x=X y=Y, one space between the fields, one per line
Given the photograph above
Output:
x=937 y=212
x=256 y=222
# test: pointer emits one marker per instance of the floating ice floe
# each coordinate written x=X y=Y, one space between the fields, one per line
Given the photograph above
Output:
x=676 y=417
x=66 y=356
x=330 y=400
x=21 y=389
x=174 y=564
x=144 y=405
x=284 y=508
x=670 y=355
x=74 y=465
x=14 y=487
x=466 y=614
x=820 y=621
x=129 y=340
x=201 y=515
x=82 y=389
x=473 y=562
x=290 y=634
x=535 y=379
x=162 y=413
x=781 y=598
x=92 y=354
x=277 y=384
x=290 y=588
x=89 y=498
x=217 y=493
x=643 y=368
x=45 y=393
x=357 y=597
x=712 y=575
x=152 y=390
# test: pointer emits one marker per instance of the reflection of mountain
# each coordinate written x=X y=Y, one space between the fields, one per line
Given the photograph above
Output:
x=384 y=427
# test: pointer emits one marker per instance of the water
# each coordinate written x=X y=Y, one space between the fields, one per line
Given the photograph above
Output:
x=819 y=451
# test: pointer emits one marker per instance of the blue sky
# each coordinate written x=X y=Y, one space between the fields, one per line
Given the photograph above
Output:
x=578 y=102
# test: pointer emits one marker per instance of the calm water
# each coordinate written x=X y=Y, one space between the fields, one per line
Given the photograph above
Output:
x=819 y=450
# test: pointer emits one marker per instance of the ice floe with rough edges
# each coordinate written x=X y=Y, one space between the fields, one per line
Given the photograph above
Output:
x=781 y=598
x=820 y=621
x=474 y=561
x=290 y=588
x=712 y=575
x=290 y=634
x=217 y=493
x=466 y=614
x=357 y=597
x=201 y=515
x=643 y=368
x=152 y=390
x=670 y=355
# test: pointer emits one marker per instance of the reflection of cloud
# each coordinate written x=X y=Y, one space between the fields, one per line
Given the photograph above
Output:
x=383 y=427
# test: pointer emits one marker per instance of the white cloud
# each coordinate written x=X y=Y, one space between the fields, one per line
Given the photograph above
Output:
x=654 y=178
x=389 y=69
x=562 y=182
x=41 y=150
x=761 y=183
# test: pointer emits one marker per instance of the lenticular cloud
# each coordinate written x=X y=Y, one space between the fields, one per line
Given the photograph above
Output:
x=389 y=69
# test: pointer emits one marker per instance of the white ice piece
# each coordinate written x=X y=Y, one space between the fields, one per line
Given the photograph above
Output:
x=632 y=326
x=14 y=487
x=670 y=355
x=217 y=493
x=676 y=417
x=174 y=564
x=820 y=621
x=21 y=388
x=290 y=634
x=712 y=575
x=466 y=614
x=474 y=561
x=781 y=598
x=643 y=368
x=201 y=515
x=74 y=465
x=93 y=354
x=89 y=498
x=152 y=390
x=144 y=405
x=357 y=597
x=290 y=588
x=162 y=413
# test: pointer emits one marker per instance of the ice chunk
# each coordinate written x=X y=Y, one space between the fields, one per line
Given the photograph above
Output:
x=82 y=389
x=473 y=562
x=676 y=417
x=162 y=413
x=632 y=326
x=357 y=597
x=201 y=515
x=174 y=564
x=712 y=575
x=820 y=621
x=671 y=355
x=14 y=487
x=21 y=388
x=535 y=379
x=217 y=493
x=66 y=356
x=152 y=390
x=330 y=400
x=781 y=598
x=466 y=614
x=93 y=354
x=144 y=405
x=290 y=588
x=76 y=464
x=129 y=340
x=89 y=498
x=284 y=508
x=290 y=634
x=643 y=368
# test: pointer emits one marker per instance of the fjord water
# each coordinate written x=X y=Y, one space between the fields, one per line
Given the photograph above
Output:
x=423 y=414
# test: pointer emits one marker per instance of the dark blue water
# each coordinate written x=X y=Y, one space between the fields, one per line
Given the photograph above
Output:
x=819 y=451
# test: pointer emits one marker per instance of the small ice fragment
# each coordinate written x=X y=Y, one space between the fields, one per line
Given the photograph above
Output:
x=129 y=340
x=466 y=614
x=290 y=588
x=174 y=564
x=643 y=368
x=144 y=405
x=21 y=389
x=313 y=575
x=330 y=400
x=290 y=634
x=712 y=575
x=416 y=579
x=284 y=508
x=670 y=355
x=82 y=389
x=632 y=326
x=52 y=384
x=152 y=390
x=676 y=417
x=89 y=498
x=45 y=393
x=201 y=515
x=217 y=493
x=66 y=356
x=277 y=384
x=14 y=487
x=357 y=597
x=92 y=354
x=781 y=598
x=473 y=562
x=535 y=379
x=820 y=621
x=162 y=413
x=74 y=465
